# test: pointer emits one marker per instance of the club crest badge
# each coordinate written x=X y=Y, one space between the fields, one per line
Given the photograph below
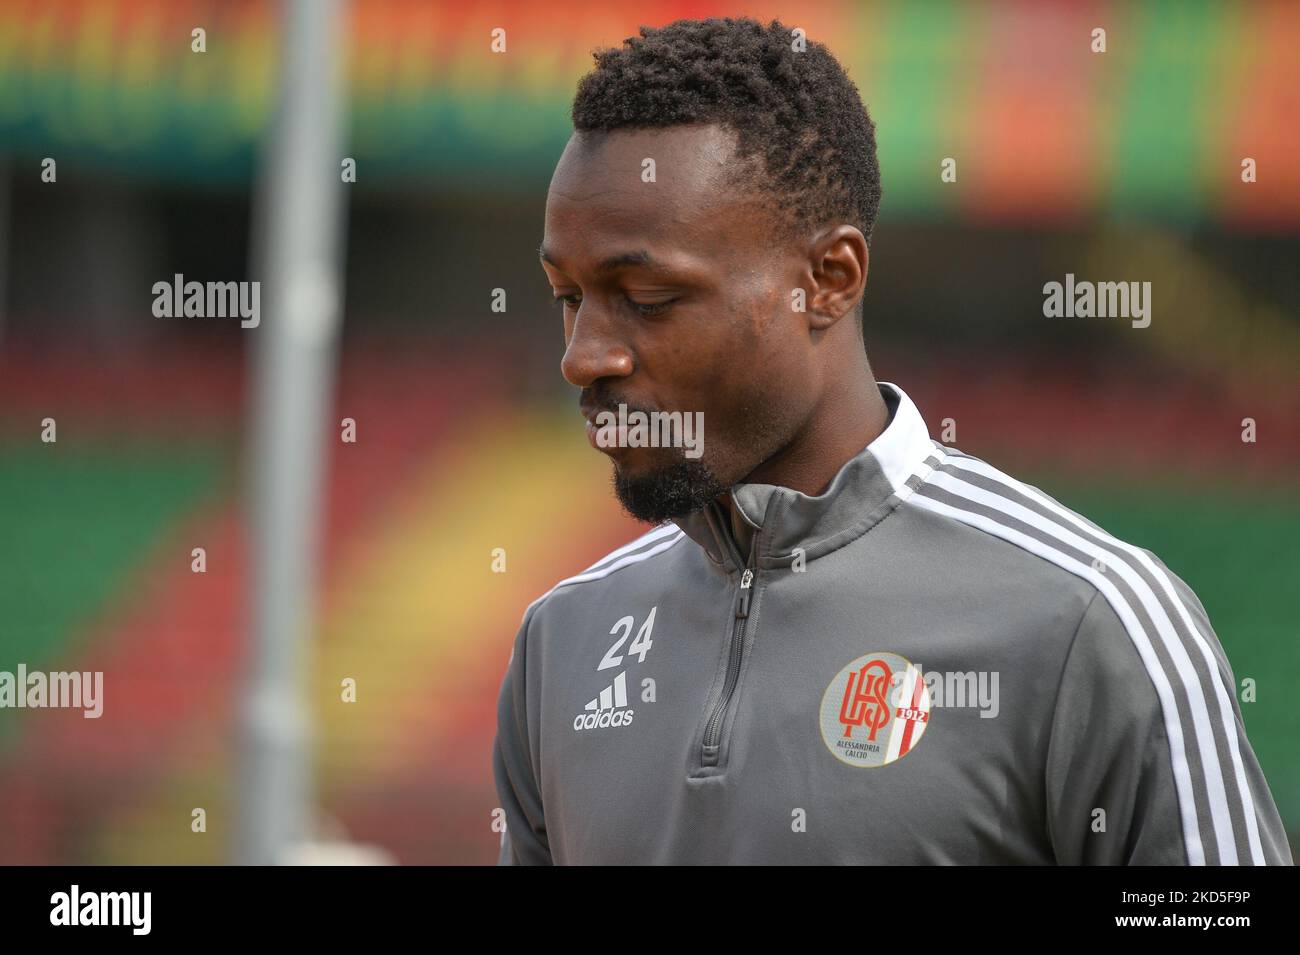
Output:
x=875 y=710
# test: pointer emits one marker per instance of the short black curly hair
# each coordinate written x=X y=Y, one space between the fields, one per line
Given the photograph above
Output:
x=798 y=111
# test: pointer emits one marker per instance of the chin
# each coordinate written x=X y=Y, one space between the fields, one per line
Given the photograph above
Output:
x=653 y=494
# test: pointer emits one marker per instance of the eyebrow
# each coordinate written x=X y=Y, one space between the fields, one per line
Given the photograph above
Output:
x=622 y=260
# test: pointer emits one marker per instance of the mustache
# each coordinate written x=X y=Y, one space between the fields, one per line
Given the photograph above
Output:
x=594 y=400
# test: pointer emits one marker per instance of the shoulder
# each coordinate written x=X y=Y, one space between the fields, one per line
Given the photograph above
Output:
x=967 y=494
x=1144 y=643
x=1136 y=594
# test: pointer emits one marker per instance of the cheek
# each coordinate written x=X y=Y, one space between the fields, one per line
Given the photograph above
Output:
x=731 y=365
x=756 y=363
x=776 y=346
x=687 y=359
x=778 y=380
x=686 y=366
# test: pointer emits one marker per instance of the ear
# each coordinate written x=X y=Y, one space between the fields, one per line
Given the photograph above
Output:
x=837 y=261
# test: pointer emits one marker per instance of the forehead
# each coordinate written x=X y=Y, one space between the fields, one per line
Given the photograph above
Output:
x=599 y=195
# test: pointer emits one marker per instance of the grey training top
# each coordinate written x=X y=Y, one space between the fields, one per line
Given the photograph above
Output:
x=931 y=662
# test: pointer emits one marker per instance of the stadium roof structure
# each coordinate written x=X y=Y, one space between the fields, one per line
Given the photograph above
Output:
x=1044 y=129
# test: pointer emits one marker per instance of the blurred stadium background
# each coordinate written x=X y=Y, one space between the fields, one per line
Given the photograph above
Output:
x=1123 y=165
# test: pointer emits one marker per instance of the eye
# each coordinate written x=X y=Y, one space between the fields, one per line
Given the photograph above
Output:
x=646 y=309
x=651 y=308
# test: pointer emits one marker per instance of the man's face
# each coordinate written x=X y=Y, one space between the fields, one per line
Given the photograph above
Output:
x=676 y=298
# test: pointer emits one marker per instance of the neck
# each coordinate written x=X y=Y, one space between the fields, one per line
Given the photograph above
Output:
x=845 y=420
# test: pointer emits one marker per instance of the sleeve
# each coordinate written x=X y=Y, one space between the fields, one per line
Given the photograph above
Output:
x=524 y=841
x=1138 y=774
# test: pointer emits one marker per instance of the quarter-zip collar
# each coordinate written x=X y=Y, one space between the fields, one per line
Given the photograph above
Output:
x=786 y=521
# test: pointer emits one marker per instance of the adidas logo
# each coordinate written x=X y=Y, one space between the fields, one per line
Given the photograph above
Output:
x=607 y=709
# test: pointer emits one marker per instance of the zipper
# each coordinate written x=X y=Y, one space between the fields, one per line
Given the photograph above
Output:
x=711 y=745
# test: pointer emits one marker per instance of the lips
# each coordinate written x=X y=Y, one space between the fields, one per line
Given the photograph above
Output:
x=617 y=432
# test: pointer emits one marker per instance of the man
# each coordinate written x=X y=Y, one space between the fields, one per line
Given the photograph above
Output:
x=843 y=642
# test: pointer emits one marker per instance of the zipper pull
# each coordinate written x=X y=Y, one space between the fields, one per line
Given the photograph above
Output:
x=747 y=578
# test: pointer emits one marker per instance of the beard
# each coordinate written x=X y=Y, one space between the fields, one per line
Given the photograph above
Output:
x=681 y=488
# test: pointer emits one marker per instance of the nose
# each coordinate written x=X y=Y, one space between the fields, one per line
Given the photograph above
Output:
x=593 y=351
